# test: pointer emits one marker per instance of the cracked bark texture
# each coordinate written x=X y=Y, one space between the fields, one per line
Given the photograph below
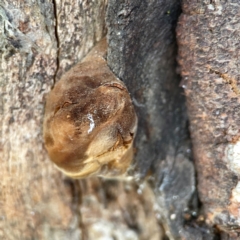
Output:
x=208 y=37
x=36 y=202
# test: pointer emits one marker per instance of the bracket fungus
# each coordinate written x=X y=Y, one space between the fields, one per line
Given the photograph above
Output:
x=90 y=121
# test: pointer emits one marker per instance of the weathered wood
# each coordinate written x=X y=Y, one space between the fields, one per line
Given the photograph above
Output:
x=79 y=26
x=208 y=36
x=35 y=201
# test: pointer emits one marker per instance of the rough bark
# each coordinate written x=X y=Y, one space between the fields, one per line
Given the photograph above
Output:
x=208 y=37
x=36 y=203
x=41 y=40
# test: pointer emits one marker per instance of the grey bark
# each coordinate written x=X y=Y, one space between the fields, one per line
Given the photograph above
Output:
x=142 y=52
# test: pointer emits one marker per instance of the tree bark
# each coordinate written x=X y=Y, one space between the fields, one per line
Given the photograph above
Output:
x=208 y=37
x=41 y=40
x=142 y=52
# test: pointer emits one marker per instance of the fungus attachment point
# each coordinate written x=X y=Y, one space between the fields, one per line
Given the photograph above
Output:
x=90 y=121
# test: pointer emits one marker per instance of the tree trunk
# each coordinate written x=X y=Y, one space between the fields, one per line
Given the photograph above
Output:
x=41 y=40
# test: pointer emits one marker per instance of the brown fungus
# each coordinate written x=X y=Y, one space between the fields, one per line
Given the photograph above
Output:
x=90 y=121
